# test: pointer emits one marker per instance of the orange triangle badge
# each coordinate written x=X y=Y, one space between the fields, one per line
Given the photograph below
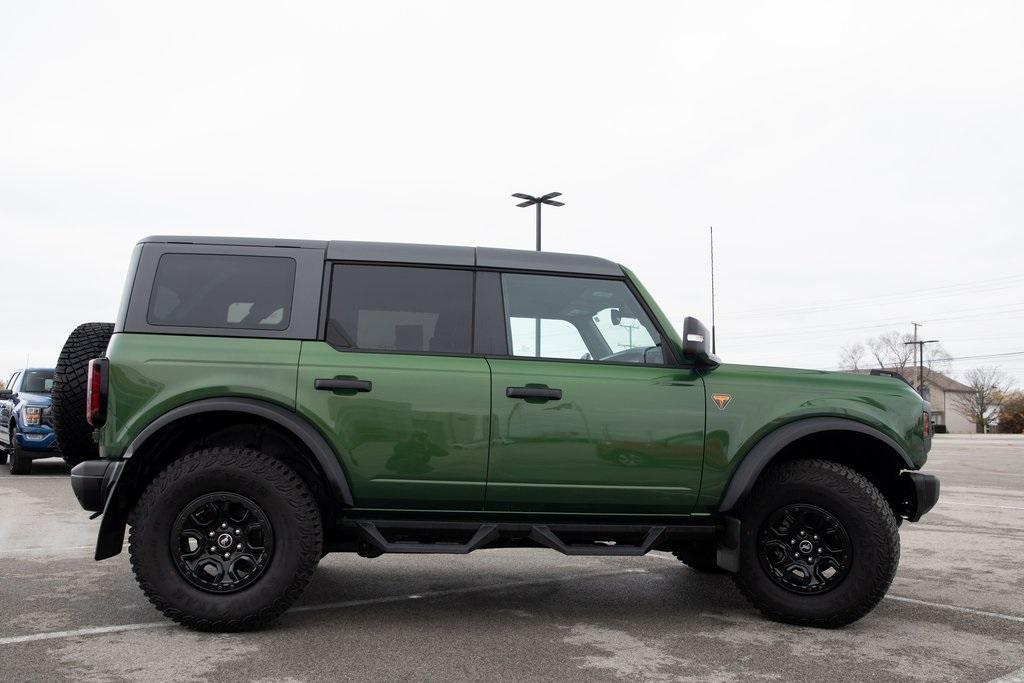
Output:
x=721 y=400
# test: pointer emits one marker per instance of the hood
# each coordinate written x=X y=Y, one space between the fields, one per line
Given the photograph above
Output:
x=27 y=398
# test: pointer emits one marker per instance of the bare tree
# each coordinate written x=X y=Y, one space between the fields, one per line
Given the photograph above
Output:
x=989 y=388
x=936 y=359
x=851 y=357
x=891 y=351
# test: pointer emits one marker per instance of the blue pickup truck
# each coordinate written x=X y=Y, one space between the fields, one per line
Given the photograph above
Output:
x=26 y=419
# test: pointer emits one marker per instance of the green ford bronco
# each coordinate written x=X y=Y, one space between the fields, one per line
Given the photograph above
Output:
x=259 y=403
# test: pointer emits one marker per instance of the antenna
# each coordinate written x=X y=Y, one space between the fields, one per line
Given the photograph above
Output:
x=711 y=229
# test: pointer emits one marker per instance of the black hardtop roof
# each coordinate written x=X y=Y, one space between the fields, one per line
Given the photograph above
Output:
x=432 y=254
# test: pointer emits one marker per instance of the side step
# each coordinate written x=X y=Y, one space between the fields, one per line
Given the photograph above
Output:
x=378 y=536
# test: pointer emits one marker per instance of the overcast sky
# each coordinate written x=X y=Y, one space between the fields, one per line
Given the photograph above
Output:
x=862 y=167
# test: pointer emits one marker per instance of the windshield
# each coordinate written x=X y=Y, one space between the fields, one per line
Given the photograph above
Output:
x=37 y=381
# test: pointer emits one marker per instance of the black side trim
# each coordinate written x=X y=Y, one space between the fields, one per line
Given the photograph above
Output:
x=762 y=453
x=426 y=535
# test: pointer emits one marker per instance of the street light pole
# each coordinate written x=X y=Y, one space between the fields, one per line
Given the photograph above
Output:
x=538 y=225
x=530 y=200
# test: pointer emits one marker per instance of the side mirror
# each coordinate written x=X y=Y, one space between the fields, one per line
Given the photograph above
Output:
x=697 y=343
x=616 y=315
x=6 y=394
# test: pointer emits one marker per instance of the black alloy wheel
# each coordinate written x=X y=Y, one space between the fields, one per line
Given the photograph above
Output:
x=222 y=542
x=804 y=549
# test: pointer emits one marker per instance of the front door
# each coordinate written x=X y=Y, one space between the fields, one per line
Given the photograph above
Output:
x=395 y=389
x=588 y=418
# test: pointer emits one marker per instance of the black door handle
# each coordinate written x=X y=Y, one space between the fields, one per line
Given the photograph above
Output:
x=342 y=384
x=534 y=392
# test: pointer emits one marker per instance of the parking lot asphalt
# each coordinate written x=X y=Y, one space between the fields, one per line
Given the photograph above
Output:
x=954 y=612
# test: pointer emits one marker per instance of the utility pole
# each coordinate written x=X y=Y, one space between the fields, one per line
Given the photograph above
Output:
x=548 y=199
x=919 y=346
x=630 y=328
x=916 y=325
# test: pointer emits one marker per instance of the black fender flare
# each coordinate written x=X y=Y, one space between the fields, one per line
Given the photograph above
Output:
x=758 y=457
x=115 y=510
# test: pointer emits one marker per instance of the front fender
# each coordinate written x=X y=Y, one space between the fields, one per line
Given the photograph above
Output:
x=761 y=454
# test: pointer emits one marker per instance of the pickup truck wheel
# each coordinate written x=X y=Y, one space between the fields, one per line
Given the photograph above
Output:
x=225 y=539
x=17 y=461
x=819 y=544
x=699 y=556
x=70 y=381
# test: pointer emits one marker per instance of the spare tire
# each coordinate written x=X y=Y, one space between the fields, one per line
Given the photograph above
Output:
x=70 y=380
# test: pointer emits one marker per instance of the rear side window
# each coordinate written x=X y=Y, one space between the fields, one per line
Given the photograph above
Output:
x=385 y=308
x=220 y=290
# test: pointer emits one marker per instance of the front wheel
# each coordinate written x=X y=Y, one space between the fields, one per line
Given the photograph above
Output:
x=225 y=539
x=819 y=545
x=17 y=461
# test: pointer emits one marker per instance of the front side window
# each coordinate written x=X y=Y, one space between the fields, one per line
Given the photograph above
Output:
x=222 y=291
x=578 y=319
x=395 y=308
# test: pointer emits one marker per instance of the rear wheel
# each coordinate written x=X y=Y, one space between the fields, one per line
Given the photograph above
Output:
x=17 y=461
x=70 y=381
x=819 y=544
x=225 y=539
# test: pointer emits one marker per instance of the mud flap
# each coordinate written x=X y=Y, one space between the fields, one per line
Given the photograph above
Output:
x=728 y=553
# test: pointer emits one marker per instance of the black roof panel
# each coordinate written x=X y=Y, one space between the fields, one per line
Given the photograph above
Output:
x=518 y=259
x=394 y=252
x=429 y=254
x=237 y=241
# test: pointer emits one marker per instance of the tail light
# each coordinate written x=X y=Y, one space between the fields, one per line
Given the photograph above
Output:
x=96 y=393
x=926 y=424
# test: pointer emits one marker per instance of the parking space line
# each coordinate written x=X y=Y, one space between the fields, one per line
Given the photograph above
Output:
x=914 y=601
x=1012 y=677
x=56 y=550
x=101 y=630
x=983 y=505
x=96 y=630
x=956 y=608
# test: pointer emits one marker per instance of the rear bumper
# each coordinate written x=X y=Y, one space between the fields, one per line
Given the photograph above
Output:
x=919 y=493
x=93 y=480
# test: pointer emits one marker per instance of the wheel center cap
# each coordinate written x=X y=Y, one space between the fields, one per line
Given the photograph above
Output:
x=805 y=546
x=225 y=540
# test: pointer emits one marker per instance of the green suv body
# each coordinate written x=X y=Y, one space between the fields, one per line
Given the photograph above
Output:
x=263 y=402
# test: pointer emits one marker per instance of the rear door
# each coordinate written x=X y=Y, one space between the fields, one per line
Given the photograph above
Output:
x=588 y=415
x=396 y=388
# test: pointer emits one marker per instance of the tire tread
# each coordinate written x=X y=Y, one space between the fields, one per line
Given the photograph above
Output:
x=273 y=471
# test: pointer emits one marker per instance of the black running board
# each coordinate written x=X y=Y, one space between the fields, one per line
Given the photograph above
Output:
x=374 y=537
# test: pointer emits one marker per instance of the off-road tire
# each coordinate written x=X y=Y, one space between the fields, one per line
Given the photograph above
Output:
x=868 y=521
x=17 y=461
x=70 y=381
x=293 y=514
x=701 y=557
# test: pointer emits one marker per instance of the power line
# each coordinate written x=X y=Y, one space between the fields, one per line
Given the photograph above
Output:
x=887 y=322
x=924 y=293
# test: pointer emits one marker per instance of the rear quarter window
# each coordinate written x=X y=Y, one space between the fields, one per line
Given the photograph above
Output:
x=222 y=291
